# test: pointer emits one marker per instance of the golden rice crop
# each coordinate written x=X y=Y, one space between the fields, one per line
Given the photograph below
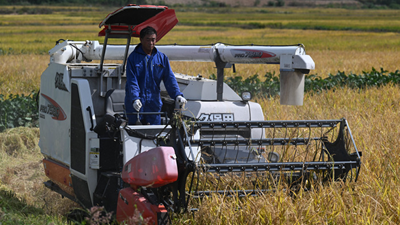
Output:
x=20 y=74
x=373 y=199
x=22 y=170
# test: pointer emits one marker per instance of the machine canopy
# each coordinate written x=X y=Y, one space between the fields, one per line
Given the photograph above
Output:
x=131 y=19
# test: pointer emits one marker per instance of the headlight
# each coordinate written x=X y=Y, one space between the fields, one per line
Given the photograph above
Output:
x=246 y=96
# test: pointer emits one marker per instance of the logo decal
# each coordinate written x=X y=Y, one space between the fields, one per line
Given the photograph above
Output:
x=216 y=117
x=251 y=53
x=59 y=82
x=52 y=108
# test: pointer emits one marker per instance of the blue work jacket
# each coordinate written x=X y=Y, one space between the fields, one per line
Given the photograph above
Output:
x=144 y=74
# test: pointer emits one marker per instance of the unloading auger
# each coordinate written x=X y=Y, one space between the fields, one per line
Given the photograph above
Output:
x=218 y=144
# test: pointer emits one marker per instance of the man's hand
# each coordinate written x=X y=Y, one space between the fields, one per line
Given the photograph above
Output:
x=180 y=101
x=137 y=105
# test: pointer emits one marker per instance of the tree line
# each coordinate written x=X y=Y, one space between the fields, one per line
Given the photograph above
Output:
x=213 y=3
x=73 y=2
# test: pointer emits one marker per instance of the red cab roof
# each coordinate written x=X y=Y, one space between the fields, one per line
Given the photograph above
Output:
x=137 y=17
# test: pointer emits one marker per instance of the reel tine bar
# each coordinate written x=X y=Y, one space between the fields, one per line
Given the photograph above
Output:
x=249 y=157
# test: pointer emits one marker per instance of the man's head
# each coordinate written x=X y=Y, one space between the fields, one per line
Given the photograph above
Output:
x=148 y=37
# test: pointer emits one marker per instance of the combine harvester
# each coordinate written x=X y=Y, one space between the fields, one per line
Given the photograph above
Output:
x=218 y=144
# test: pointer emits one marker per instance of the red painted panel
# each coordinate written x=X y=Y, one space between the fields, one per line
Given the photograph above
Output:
x=153 y=168
x=163 y=22
x=129 y=201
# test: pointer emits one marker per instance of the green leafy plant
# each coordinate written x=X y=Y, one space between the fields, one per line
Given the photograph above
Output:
x=373 y=78
x=270 y=86
x=18 y=110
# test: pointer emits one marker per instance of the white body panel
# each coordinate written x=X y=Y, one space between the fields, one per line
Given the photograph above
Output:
x=217 y=111
x=54 y=113
x=90 y=175
x=201 y=89
x=225 y=111
x=291 y=88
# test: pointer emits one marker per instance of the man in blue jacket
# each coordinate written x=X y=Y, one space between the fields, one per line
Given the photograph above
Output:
x=146 y=68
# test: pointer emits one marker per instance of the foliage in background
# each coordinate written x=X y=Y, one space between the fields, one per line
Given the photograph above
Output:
x=395 y=4
x=72 y=2
x=267 y=88
x=18 y=110
x=313 y=83
x=205 y=3
x=374 y=78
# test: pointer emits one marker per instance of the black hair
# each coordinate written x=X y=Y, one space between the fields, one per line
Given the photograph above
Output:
x=147 y=31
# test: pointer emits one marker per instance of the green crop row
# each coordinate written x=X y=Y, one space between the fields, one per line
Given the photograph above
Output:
x=270 y=85
x=373 y=78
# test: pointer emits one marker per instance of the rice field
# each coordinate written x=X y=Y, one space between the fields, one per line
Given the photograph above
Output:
x=371 y=39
